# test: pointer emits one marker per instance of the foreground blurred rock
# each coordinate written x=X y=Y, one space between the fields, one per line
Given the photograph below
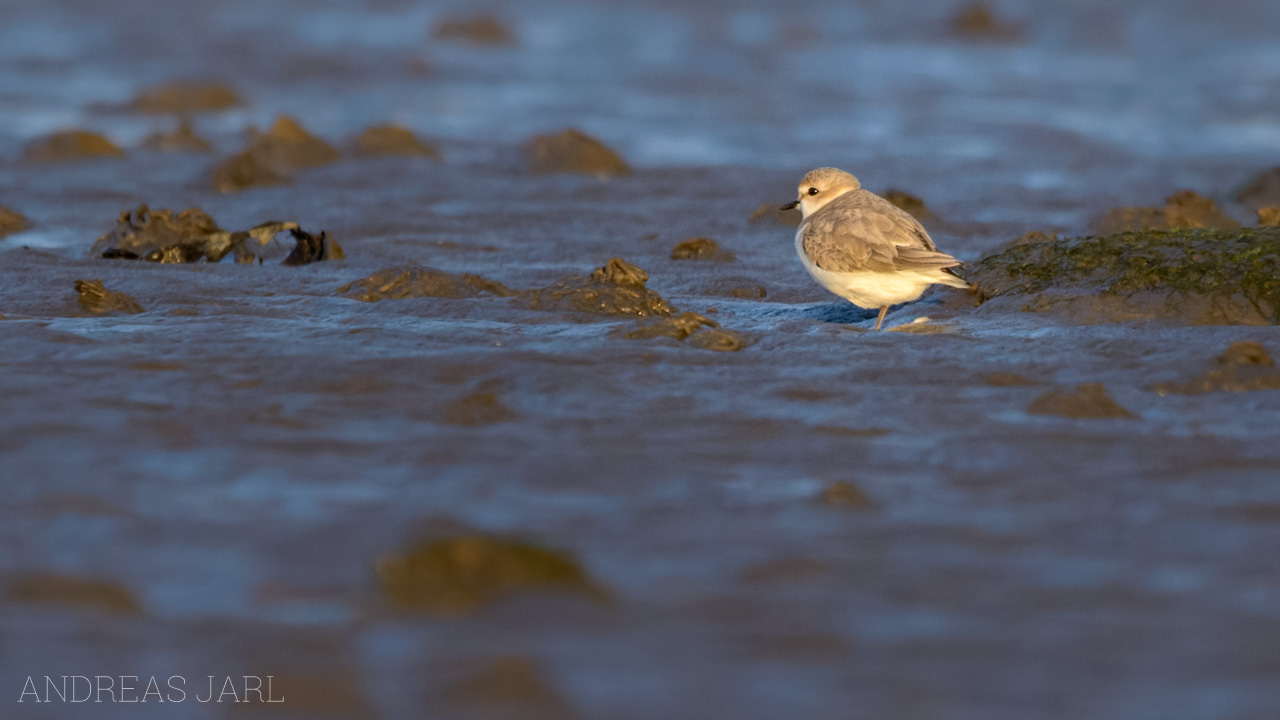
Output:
x=573 y=151
x=11 y=221
x=1244 y=367
x=977 y=21
x=458 y=575
x=98 y=300
x=1189 y=277
x=1263 y=190
x=68 y=145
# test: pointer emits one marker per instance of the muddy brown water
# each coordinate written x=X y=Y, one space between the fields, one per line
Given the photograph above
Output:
x=826 y=522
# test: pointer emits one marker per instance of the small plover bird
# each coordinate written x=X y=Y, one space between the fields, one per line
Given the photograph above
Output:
x=863 y=248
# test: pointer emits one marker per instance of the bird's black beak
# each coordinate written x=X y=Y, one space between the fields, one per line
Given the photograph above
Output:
x=790 y=205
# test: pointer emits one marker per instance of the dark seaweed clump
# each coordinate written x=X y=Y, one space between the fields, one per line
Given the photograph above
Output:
x=190 y=236
x=618 y=288
x=1197 y=276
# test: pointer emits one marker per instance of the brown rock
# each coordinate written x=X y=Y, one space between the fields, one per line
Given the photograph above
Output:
x=766 y=210
x=1007 y=379
x=72 y=591
x=1269 y=215
x=508 y=687
x=416 y=282
x=678 y=327
x=391 y=140
x=718 y=339
x=182 y=140
x=479 y=30
x=977 y=22
x=700 y=248
x=184 y=98
x=1263 y=190
x=1183 y=209
x=618 y=288
x=288 y=145
x=11 y=221
x=1244 y=367
x=845 y=494
x=142 y=232
x=572 y=151
x=98 y=300
x=245 y=170
x=1088 y=401
x=909 y=203
x=458 y=575
x=69 y=145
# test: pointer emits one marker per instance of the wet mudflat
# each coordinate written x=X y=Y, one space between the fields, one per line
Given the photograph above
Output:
x=509 y=471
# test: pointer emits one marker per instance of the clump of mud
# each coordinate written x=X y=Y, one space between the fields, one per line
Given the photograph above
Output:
x=98 y=300
x=272 y=157
x=1244 y=367
x=416 y=282
x=909 y=203
x=459 y=575
x=1088 y=401
x=844 y=494
x=1269 y=216
x=1263 y=190
x=11 y=221
x=618 y=288
x=391 y=140
x=67 y=145
x=308 y=248
x=1183 y=209
x=193 y=236
x=182 y=139
x=697 y=330
x=700 y=248
x=478 y=408
x=978 y=22
x=572 y=151
x=766 y=210
x=478 y=30
x=1192 y=277
x=72 y=591
x=178 y=98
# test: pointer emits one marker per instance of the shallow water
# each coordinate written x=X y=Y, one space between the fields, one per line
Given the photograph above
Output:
x=241 y=454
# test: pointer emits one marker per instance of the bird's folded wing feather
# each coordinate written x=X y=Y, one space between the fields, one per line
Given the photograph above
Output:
x=858 y=234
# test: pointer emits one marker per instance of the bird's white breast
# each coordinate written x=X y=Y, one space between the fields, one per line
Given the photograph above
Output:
x=868 y=289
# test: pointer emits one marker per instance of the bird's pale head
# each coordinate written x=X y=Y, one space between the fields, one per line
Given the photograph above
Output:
x=821 y=186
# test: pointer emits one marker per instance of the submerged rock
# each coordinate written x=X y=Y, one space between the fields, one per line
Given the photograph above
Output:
x=183 y=98
x=572 y=151
x=44 y=588
x=245 y=170
x=69 y=145
x=1088 y=401
x=480 y=30
x=766 y=210
x=978 y=22
x=308 y=248
x=909 y=203
x=98 y=300
x=458 y=575
x=699 y=330
x=189 y=236
x=391 y=140
x=1263 y=190
x=700 y=248
x=11 y=221
x=417 y=282
x=1193 y=277
x=478 y=408
x=183 y=139
x=618 y=288
x=1183 y=209
x=1244 y=367
x=1269 y=216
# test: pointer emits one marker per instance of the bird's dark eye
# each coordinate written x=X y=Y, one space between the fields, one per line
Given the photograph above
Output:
x=813 y=191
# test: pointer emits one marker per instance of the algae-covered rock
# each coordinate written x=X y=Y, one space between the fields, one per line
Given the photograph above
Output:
x=98 y=300
x=905 y=201
x=1244 y=367
x=1088 y=401
x=1183 y=209
x=692 y=328
x=183 y=139
x=573 y=151
x=11 y=221
x=184 y=98
x=700 y=248
x=618 y=288
x=391 y=140
x=191 y=236
x=1192 y=277
x=417 y=282
x=458 y=575
x=67 y=145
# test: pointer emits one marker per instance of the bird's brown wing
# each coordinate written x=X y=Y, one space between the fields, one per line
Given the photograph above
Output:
x=862 y=232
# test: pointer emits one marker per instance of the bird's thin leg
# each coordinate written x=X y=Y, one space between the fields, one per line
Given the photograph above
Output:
x=883 y=309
